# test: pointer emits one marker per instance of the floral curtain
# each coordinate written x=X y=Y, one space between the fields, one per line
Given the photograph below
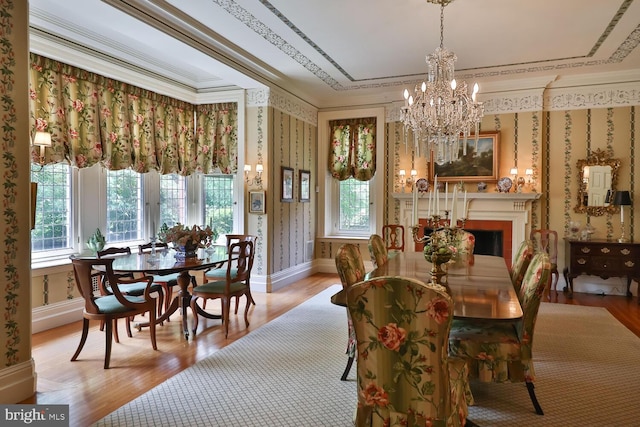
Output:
x=217 y=137
x=352 y=152
x=93 y=119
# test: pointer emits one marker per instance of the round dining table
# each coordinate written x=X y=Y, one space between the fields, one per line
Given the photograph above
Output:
x=164 y=262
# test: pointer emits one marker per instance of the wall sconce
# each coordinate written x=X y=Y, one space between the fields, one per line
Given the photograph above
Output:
x=42 y=140
x=257 y=179
x=412 y=178
x=529 y=174
x=402 y=173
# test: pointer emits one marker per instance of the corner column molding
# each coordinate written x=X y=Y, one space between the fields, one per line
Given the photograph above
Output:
x=283 y=101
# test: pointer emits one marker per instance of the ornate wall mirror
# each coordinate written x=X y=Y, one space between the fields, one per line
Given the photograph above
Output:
x=597 y=177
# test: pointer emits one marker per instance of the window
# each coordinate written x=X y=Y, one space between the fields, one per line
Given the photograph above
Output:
x=173 y=200
x=53 y=232
x=354 y=206
x=125 y=203
x=217 y=194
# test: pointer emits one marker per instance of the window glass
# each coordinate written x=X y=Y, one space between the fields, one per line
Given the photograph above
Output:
x=53 y=227
x=173 y=200
x=125 y=201
x=217 y=193
x=354 y=206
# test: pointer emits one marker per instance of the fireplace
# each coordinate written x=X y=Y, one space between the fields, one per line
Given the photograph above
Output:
x=489 y=215
x=492 y=237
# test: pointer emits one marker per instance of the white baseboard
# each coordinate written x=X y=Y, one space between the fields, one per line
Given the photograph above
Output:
x=18 y=382
x=58 y=314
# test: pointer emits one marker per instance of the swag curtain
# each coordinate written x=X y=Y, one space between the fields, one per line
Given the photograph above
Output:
x=93 y=119
x=217 y=137
x=352 y=152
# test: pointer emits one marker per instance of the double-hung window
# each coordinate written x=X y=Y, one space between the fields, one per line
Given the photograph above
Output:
x=218 y=202
x=173 y=200
x=53 y=232
x=125 y=206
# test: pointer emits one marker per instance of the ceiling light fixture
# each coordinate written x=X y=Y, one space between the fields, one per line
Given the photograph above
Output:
x=440 y=113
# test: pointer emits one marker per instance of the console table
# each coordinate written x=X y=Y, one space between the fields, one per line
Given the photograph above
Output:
x=603 y=258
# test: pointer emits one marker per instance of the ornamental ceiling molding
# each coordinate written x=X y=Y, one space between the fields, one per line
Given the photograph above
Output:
x=283 y=101
x=604 y=96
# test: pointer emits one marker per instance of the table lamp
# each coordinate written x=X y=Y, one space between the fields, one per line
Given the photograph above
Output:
x=622 y=199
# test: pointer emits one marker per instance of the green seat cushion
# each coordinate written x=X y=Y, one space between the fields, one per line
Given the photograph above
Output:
x=137 y=289
x=170 y=279
x=220 y=272
x=109 y=304
x=218 y=287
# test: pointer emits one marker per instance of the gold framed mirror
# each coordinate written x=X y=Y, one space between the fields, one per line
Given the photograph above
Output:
x=597 y=178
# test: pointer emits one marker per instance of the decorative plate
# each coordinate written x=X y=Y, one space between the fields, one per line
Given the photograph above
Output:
x=422 y=185
x=504 y=184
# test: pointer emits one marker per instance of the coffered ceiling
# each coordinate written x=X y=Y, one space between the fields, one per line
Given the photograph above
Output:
x=334 y=53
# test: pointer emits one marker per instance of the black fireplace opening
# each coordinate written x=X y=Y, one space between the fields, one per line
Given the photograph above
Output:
x=488 y=242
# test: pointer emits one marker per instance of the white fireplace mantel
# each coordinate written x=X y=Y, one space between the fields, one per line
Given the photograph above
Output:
x=514 y=207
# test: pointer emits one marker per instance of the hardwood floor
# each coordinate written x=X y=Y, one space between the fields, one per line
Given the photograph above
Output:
x=93 y=392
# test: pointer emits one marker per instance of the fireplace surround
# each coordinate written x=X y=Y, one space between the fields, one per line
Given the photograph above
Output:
x=508 y=214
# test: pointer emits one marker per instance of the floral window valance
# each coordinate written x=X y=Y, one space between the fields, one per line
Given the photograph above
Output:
x=352 y=151
x=94 y=119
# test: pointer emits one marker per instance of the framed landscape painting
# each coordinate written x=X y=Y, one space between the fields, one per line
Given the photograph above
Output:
x=478 y=165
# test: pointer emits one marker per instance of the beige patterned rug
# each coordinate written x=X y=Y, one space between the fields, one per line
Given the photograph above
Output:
x=287 y=373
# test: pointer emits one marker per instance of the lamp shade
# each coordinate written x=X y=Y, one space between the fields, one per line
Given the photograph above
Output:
x=622 y=198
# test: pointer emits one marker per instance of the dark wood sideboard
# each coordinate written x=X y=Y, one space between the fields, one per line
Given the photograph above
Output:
x=603 y=258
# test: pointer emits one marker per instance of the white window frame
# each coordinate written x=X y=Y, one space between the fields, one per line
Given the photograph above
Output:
x=328 y=188
x=43 y=256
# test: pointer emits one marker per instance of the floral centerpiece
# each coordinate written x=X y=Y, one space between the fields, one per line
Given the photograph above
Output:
x=187 y=240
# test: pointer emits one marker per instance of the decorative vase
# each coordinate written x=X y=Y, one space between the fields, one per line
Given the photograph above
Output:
x=188 y=250
x=96 y=242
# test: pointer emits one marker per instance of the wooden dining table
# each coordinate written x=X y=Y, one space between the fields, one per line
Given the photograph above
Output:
x=164 y=262
x=480 y=285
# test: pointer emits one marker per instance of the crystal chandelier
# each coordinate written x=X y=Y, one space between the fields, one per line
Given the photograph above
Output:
x=440 y=113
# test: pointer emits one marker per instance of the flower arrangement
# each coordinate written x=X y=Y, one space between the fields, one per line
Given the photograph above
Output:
x=181 y=235
x=440 y=245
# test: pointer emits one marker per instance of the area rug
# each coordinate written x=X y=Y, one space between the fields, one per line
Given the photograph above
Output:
x=287 y=373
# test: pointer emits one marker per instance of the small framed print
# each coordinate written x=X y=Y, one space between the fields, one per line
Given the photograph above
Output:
x=305 y=185
x=287 y=184
x=256 y=202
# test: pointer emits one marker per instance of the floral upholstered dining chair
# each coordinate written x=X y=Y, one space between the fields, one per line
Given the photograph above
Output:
x=521 y=261
x=501 y=351
x=351 y=271
x=462 y=240
x=377 y=250
x=405 y=376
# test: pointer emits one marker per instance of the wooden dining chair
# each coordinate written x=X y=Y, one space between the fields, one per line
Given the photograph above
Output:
x=547 y=241
x=167 y=281
x=134 y=289
x=503 y=351
x=377 y=250
x=116 y=305
x=351 y=271
x=234 y=284
x=219 y=272
x=393 y=235
x=405 y=376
